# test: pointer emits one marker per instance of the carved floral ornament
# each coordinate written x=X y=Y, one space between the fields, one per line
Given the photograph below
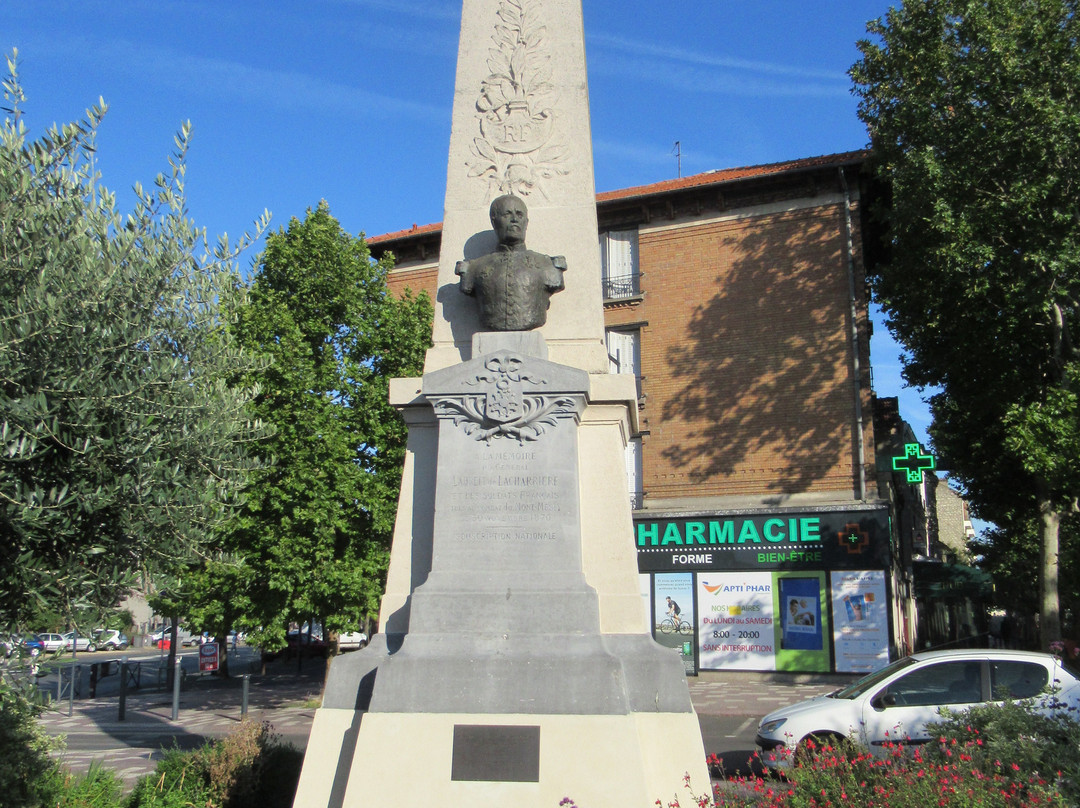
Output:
x=518 y=147
x=501 y=409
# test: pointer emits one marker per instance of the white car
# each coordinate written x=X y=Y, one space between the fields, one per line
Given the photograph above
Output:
x=348 y=640
x=898 y=702
x=110 y=639
x=81 y=642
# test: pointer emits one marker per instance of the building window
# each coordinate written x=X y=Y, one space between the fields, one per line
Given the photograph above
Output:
x=624 y=356
x=619 y=264
x=624 y=352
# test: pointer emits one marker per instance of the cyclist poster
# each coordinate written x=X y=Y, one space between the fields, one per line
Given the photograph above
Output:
x=673 y=614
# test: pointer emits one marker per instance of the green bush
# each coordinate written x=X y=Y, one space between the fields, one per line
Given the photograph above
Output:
x=251 y=768
x=29 y=777
x=98 y=788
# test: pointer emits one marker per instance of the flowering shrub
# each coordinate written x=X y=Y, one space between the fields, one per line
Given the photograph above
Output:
x=1033 y=743
x=947 y=773
x=1058 y=648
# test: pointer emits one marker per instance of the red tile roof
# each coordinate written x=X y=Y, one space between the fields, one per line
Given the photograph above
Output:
x=730 y=174
x=400 y=234
x=682 y=184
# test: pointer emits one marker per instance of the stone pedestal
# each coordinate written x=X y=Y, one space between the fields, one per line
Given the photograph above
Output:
x=505 y=684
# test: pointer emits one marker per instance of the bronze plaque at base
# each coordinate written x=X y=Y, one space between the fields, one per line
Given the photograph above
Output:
x=496 y=753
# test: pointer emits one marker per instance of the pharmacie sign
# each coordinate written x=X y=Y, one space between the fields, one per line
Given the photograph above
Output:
x=764 y=541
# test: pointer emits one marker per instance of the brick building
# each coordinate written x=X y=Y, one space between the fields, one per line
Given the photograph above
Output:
x=737 y=298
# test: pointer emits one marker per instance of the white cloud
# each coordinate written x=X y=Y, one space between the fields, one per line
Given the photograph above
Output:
x=289 y=92
x=429 y=9
x=675 y=53
x=695 y=72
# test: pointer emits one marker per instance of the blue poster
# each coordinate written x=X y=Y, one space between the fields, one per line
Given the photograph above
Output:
x=800 y=614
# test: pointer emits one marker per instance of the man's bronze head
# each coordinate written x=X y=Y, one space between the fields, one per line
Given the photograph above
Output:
x=510 y=218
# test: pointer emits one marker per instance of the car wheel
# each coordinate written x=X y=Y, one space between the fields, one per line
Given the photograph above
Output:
x=91 y=648
x=812 y=744
x=363 y=644
x=122 y=646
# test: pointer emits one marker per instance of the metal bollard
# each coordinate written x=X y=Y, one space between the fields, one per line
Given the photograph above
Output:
x=176 y=691
x=123 y=690
x=76 y=673
x=244 y=700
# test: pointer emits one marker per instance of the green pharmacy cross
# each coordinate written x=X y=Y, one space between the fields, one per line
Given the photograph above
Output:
x=914 y=462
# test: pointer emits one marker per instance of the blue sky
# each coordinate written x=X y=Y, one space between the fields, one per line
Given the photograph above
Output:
x=349 y=100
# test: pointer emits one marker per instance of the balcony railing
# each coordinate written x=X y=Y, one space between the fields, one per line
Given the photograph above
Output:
x=622 y=286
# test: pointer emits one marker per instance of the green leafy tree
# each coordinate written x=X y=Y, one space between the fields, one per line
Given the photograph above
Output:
x=121 y=445
x=314 y=533
x=973 y=111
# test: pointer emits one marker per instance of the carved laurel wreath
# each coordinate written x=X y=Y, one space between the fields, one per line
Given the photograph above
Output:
x=514 y=152
x=538 y=413
x=503 y=410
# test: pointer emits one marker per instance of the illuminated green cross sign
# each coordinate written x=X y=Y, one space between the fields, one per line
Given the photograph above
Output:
x=914 y=462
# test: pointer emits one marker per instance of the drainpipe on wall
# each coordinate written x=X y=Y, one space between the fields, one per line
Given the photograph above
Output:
x=860 y=449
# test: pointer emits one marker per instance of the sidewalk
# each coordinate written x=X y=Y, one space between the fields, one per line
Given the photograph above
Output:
x=209 y=708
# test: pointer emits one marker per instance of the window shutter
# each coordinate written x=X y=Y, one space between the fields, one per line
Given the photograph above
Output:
x=622 y=347
x=620 y=254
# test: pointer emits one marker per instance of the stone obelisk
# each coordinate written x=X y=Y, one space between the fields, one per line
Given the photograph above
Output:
x=513 y=664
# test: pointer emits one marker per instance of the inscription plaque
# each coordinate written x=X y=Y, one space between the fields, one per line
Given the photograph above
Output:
x=496 y=753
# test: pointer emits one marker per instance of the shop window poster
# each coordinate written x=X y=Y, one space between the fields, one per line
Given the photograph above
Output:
x=673 y=614
x=802 y=622
x=736 y=622
x=861 y=624
x=800 y=601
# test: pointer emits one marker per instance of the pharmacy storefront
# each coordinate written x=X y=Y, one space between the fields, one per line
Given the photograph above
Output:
x=802 y=591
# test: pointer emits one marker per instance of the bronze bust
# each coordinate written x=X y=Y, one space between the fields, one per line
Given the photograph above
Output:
x=513 y=286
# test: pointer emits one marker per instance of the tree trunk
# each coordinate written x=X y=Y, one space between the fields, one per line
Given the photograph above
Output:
x=1049 y=604
x=223 y=657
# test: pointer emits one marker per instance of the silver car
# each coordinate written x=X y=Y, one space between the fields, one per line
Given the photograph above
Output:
x=80 y=642
x=51 y=642
x=897 y=703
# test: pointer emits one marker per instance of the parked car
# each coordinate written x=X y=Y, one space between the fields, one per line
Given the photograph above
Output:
x=349 y=640
x=110 y=639
x=302 y=643
x=30 y=644
x=80 y=642
x=51 y=642
x=898 y=702
x=183 y=636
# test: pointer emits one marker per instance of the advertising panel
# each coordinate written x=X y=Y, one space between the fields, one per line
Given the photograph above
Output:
x=802 y=610
x=736 y=628
x=860 y=621
x=800 y=616
x=673 y=615
x=208 y=657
